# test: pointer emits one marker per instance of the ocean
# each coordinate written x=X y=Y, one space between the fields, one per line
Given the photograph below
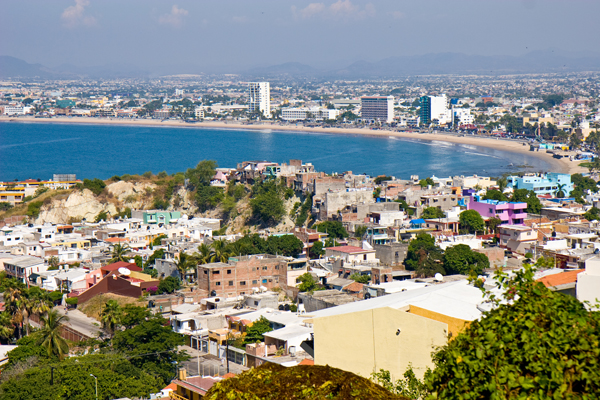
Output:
x=38 y=150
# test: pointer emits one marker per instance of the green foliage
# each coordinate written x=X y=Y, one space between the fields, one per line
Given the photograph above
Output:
x=111 y=316
x=356 y=277
x=538 y=344
x=410 y=386
x=72 y=301
x=426 y=182
x=360 y=230
x=470 y=221
x=593 y=214
x=208 y=197
x=380 y=179
x=157 y=242
x=493 y=194
x=132 y=315
x=377 y=193
x=148 y=174
x=404 y=206
x=534 y=206
x=49 y=336
x=55 y=296
x=168 y=285
x=334 y=229
x=255 y=332
x=102 y=216
x=304 y=211
x=267 y=203
x=5 y=206
x=308 y=283
x=272 y=381
x=152 y=346
x=34 y=208
x=95 y=185
x=160 y=204
x=28 y=348
x=316 y=250
x=493 y=224
x=202 y=174
x=432 y=212
x=157 y=255
x=460 y=259
x=424 y=257
x=117 y=378
x=138 y=261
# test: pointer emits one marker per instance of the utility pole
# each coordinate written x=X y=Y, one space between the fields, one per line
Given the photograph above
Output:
x=96 y=385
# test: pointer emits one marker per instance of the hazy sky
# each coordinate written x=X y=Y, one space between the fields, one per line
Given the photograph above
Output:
x=246 y=33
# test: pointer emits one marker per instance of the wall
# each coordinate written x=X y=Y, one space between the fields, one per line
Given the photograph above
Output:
x=366 y=341
x=455 y=325
x=391 y=254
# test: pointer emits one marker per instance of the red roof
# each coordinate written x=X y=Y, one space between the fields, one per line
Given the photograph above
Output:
x=228 y=375
x=349 y=249
x=354 y=287
x=119 y=264
x=197 y=384
x=560 y=278
x=306 y=361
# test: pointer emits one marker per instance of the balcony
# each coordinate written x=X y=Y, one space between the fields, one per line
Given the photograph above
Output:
x=175 y=396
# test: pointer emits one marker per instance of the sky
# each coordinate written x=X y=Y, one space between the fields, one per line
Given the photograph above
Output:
x=234 y=35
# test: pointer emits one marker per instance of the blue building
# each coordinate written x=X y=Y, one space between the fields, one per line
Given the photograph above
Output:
x=543 y=183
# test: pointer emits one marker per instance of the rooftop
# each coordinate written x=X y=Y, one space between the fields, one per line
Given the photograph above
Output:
x=350 y=249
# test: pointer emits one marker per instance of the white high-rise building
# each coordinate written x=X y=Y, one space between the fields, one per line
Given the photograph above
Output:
x=260 y=98
x=440 y=110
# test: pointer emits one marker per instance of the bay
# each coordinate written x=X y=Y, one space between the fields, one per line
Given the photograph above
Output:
x=38 y=150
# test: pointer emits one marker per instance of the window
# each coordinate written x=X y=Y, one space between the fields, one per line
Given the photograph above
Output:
x=205 y=272
x=264 y=268
x=242 y=283
x=217 y=283
x=264 y=281
x=216 y=272
x=364 y=257
x=254 y=282
x=228 y=272
x=230 y=283
x=277 y=267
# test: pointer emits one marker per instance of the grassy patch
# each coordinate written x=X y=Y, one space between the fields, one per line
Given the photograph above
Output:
x=93 y=307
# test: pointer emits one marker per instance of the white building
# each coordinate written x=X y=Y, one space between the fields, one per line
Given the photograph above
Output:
x=199 y=112
x=588 y=282
x=377 y=108
x=260 y=98
x=440 y=110
x=462 y=116
x=302 y=113
x=14 y=110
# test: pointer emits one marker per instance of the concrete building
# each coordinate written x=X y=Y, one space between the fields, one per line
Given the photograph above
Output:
x=303 y=113
x=549 y=183
x=588 y=282
x=435 y=108
x=508 y=213
x=517 y=238
x=380 y=108
x=22 y=267
x=351 y=254
x=156 y=216
x=260 y=98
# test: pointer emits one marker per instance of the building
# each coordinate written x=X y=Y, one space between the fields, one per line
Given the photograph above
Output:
x=588 y=282
x=380 y=108
x=435 y=108
x=549 y=183
x=517 y=238
x=242 y=275
x=303 y=113
x=508 y=213
x=351 y=254
x=22 y=267
x=156 y=216
x=199 y=112
x=260 y=98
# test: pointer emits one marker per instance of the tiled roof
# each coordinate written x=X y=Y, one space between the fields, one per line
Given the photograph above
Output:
x=306 y=361
x=119 y=264
x=561 y=278
x=354 y=287
x=348 y=249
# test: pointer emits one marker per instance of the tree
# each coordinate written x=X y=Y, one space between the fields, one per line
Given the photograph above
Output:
x=268 y=207
x=493 y=224
x=534 y=343
x=560 y=193
x=219 y=251
x=308 y=283
x=359 y=231
x=168 y=285
x=49 y=336
x=119 y=253
x=492 y=194
x=426 y=182
x=593 y=214
x=152 y=346
x=356 y=277
x=335 y=229
x=255 y=332
x=158 y=240
x=534 y=206
x=460 y=259
x=285 y=245
x=134 y=315
x=208 y=197
x=470 y=221
x=7 y=328
x=96 y=185
x=184 y=263
x=111 y=316
x=316 y=250
x=432 y=212
x=53 y=262
x=202 y=174
x=15 y=302
x=424 y=257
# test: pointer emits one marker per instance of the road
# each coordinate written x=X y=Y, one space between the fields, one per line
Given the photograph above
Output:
x=81 y=322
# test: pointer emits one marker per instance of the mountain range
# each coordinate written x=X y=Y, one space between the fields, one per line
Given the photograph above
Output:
x=545 y=61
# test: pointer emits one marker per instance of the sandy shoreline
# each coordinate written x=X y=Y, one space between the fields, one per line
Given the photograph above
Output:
x=562 y=165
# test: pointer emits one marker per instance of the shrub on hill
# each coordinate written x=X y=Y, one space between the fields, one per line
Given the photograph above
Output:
x=272 y=381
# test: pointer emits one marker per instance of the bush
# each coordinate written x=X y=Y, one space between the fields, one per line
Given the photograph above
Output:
x=34 y=208
x=148 y=174
x=5 y=206
x=72 y=301
x=152 y=290
x=168 y=285
x=55 y=296
x=96 y=185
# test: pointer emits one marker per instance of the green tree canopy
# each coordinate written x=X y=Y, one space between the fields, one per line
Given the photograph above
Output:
x=202 y=174
x=470 y=221
x=534 y=206
x=432 y=212
x=308 y=283
x=168 y=285
x=493 y=194
x=424 y=257
x=460 y=259
x=317 y=250
x=255 y=332
x=267 y=202
x=539 y=345
x=356 y=277
x=334 y=229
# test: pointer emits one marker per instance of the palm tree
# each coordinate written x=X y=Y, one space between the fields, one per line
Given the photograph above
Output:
x=119 y=252
x=111 y=316
x=49 y=336
x=184 y=263
x=219 y=252
x=39 y=301
x=7 y=329
x=204 y=256
x=15 y=304
x=559 y=193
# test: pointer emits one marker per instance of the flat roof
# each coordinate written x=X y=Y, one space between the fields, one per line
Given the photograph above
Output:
x=350 y=249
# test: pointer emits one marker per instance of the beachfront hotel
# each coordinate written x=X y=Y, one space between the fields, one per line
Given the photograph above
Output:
x=377 y=108
x=260 y=98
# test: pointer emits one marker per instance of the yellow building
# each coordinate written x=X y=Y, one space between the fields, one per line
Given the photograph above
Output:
x=72 y=243
x=383 y=338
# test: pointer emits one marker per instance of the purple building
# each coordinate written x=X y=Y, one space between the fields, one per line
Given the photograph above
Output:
x=508 y=213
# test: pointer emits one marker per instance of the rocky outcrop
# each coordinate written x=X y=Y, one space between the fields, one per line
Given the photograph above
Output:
x=79 y=205
x=136 y=195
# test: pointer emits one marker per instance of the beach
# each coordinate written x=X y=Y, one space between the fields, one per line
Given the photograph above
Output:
x=563 y=165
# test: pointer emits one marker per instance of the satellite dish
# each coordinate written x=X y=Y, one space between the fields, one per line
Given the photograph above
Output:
x=124 y=271
x=438 y=277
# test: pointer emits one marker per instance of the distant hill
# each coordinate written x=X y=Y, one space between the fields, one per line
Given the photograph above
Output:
x=11 y=67
x=291 y=68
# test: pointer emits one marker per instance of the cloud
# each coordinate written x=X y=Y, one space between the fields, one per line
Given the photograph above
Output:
x=341 y=9
x=397 y=15
x=74 y=16
x=174 y=18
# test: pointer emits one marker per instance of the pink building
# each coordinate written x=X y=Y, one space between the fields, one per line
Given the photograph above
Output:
x=508 y=213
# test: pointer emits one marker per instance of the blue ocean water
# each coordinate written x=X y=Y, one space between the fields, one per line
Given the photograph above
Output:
x=38 y=150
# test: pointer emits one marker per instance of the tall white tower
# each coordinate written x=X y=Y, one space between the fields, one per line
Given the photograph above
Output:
x=260 y=98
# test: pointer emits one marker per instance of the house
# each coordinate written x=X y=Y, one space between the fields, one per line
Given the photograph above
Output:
x=563 y=282
x=351 y=254
x=193 y=387
x=517 y=238
x=509 y=213
x=549 y=183
x=588 y=282
x=23 y=267
x=156 y=216
x=107 y=269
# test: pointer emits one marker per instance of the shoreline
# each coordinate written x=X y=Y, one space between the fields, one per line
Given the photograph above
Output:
x=562 y=165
